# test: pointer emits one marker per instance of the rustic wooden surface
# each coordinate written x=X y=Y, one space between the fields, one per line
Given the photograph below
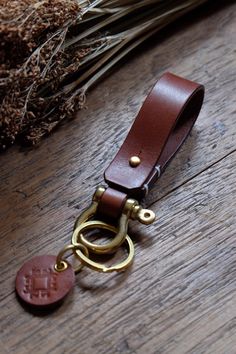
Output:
x=180 y=294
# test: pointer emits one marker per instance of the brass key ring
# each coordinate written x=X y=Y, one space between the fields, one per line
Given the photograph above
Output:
x=62 y=264
x=109 y=247
x=76 y=239
x=131 y=210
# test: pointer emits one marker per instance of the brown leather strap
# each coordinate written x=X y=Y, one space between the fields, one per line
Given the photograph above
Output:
x=111 y=203
x=162 y=125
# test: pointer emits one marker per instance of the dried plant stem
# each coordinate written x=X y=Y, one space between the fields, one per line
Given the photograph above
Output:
x=122 y=40
x=64 y=47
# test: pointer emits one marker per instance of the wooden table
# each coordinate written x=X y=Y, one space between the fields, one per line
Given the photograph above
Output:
x=180 y=294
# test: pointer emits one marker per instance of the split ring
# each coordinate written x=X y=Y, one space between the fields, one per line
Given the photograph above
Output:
x=62 y=264
x=109 y=247
x=95 y=265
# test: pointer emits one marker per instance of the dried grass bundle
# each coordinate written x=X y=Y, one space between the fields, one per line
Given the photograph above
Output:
x=53 y=51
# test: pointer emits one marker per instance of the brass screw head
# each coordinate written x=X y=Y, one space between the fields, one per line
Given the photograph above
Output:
x=134 y=161
x=146 y=216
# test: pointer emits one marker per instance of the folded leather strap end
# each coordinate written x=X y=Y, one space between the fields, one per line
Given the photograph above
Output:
x=163 y=123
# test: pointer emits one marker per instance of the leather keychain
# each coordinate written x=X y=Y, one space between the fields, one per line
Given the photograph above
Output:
x=163 y=123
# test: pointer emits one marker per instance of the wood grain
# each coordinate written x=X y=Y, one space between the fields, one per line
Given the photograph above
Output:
x=180 y=295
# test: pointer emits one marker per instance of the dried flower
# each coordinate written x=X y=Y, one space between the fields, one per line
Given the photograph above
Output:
x=53 y=51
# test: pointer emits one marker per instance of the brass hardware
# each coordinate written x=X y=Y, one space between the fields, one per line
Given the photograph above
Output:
x=98 y=266
x=98 y=193
x=134 y=161
x=60 y=267
x=131 y=210
x=91 y=211
x=145 y=216
x=121 y=230
x=62 y=264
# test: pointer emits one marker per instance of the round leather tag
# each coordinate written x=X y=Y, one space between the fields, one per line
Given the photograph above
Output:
x=40 y=285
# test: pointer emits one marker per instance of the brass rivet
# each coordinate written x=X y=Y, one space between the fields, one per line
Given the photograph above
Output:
x=134 y=161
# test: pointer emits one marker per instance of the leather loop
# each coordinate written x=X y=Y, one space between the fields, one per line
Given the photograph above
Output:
x=111 y=203
x=162 y=125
